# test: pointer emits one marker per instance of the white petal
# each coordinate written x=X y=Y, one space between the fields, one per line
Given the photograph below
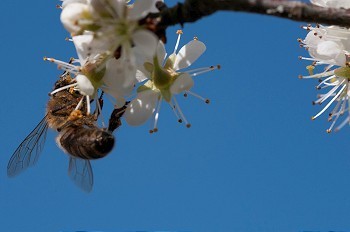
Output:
x=331 y=52
x=146 y=41
x=84 y=85
x=140 y=76
x=141 y=108
x=71 y=14
x=66 y=2
x=189 y=54
x=312 y=39
x=339 y=4
x=319 y=2
x=119 y=7
x=120 y=102
x=140 y=9
x=328 y=48
x=89 y=48
x=161 y=53
x=116 y=79
x=182 y=83
x=82 y=44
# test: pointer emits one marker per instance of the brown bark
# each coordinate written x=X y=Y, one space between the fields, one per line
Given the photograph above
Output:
x=193 y=10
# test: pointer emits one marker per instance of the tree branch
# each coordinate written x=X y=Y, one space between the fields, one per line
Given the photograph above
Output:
x=193 y=10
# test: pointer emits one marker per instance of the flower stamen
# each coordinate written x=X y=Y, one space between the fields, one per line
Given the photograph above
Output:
x=198 y=71
x=331 y=101
x=63 y=88
x=156 y=115
x=182 y=116
x=206 y=100
x=176 y=114
x=179 y=32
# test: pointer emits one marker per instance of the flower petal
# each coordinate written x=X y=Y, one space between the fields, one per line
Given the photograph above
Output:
x=140 y=76
x=141 y=108
x=82 y=43
x=319 y=2
x=146 y=41
x=116 y=80
x=84 y=85
x=66 y=2
x=140 y=9
x=328 y=48
x=161 y=53
x=182 y=83
x=188 y=54
x=71 y=14
x=332 y=3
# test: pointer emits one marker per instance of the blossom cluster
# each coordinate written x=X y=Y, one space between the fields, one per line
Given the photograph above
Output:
x=118 y=55
x=329 y=47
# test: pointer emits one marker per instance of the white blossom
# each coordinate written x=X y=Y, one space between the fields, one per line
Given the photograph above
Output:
x=73 y=14
x=332 y=3
x=330 y=46
x=163 y=79
x=88 y=72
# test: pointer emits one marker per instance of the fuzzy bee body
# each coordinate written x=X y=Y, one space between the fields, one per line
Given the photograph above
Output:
x=86 y=143
x=78 y=136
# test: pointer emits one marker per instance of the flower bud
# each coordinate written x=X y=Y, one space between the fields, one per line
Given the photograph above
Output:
x=71 y=16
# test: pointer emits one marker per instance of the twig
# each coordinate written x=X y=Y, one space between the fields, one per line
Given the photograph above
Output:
x=193 y=10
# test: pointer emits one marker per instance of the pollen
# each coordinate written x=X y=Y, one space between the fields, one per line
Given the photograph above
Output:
x=75 y=115
x=71 y=90
x=310 y=68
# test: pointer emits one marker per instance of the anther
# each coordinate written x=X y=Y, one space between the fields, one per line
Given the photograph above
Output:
x=185 y=94
x=151 y=131
x=195 y=38
x=155 y=130
x=207 y=101
x=328 y=131
x=179 y=32
x=300 y=76
x=188 y=125
x=180 y=120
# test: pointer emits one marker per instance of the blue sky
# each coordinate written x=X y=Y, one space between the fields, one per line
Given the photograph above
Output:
x=252 y=160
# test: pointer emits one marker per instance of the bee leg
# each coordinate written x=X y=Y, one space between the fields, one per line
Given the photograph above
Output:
x=117 y=114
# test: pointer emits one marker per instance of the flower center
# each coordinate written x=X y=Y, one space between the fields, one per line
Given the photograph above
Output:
x=343 y=72
x=162 y=79
x=125 y=28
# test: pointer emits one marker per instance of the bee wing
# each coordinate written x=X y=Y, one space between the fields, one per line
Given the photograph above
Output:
x=80 y=172
x=27 y=153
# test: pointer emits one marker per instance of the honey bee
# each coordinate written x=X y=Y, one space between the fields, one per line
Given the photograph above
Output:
x=78 y=136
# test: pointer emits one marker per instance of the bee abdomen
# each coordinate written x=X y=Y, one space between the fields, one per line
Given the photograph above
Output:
x=86 y=143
